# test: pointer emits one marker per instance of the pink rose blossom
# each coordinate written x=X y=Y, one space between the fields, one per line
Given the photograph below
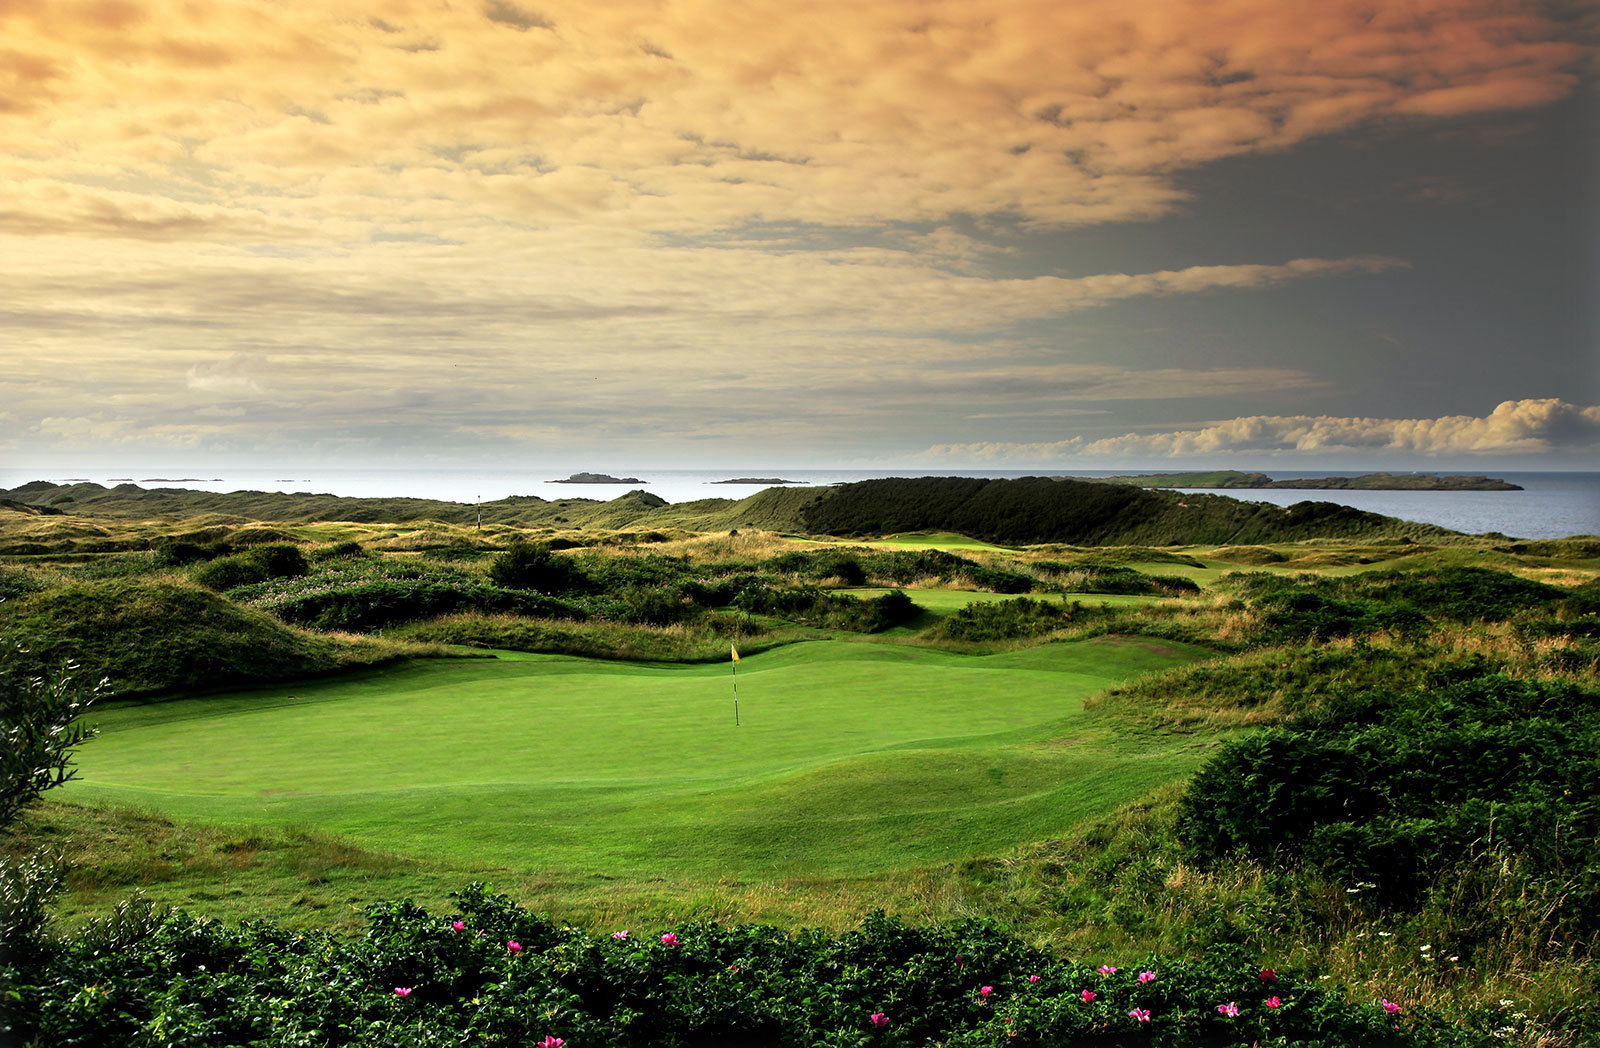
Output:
x=671 y=939
x=1390 y=1007
x=402 y=991
x=1106 y=969
x=879 y=1020
x=1033 y=978
x=514 y=946
x=458 y=926
x=551 y=1042
x=1140 y=1015
x=623 y=934
x=1145 y=977
x=1231 y=1010
x=1268 y=975
x=1273 y=1002
x=1088 y=995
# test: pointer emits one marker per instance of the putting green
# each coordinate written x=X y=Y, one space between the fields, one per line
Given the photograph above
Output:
x=849 y=758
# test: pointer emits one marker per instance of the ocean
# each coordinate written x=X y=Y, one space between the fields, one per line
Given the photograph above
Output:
x=1554 y=504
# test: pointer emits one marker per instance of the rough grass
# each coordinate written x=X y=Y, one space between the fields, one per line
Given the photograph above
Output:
x=702 y=640
x=157 y=636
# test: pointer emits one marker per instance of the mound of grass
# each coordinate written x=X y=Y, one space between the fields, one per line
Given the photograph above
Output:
x=155 y=636
x=704 y=640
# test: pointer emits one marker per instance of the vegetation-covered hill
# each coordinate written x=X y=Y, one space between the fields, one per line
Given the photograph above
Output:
x=1041 y=509
x=1021 y=511
x=1232 y=478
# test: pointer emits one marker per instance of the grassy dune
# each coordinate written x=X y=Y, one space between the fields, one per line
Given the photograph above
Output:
x=850 y=759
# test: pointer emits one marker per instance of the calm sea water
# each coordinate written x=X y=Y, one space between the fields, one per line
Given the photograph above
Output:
x=1552 y=506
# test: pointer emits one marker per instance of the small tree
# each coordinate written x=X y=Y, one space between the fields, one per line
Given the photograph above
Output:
x=39 y=728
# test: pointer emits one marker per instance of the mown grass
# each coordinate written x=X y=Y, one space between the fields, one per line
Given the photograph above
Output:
x=848 y=759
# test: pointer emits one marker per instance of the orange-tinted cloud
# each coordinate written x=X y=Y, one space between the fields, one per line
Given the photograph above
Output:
x=695 y=115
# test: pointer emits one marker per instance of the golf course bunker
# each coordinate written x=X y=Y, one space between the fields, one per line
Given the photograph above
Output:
x=849 y=757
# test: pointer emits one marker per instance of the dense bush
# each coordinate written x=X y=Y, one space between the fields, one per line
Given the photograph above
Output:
x=1113 y=578
x=1305 y=606
x=531 y=566
x=493 y=974
x=1393 y=787
x=181 y=554
x=274 y=561
x=820 y=608
x=1007 y=619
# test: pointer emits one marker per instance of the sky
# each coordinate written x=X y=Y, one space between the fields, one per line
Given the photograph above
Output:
x=818 y=233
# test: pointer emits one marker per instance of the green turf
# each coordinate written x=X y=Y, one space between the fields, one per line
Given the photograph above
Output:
x=850 y=759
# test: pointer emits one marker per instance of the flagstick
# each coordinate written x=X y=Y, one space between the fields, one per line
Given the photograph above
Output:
x=736 y=695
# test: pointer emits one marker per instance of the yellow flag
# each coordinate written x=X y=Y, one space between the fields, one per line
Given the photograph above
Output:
x=735 y=652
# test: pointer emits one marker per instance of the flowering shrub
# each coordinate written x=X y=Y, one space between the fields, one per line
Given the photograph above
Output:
x=416 y=979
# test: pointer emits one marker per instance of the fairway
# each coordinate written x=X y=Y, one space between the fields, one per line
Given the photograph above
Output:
x=850 y=758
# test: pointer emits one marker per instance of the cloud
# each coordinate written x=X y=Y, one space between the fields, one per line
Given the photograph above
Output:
x=699 y=116
x=233 y=377
x=1515 y=426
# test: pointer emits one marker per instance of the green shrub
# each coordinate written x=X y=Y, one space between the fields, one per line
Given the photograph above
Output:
x=1008 y=619
x=534 y=567
x=1394 y=787
x=274 y=561
x=494 y=974
x=181 y=554
x=826 y=610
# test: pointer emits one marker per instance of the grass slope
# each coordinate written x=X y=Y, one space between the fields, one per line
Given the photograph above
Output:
x=851 y=758
x=153 y=636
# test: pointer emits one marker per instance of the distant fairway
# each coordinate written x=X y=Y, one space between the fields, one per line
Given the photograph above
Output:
x=852 y=758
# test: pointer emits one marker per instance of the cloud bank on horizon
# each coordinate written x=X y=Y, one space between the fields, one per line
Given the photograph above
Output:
x=836 y=232
x=1513 y=428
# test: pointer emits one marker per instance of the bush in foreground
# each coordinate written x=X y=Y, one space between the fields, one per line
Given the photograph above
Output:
x=493 y=974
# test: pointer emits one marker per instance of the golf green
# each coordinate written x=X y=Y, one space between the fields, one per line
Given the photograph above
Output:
x=848 y=757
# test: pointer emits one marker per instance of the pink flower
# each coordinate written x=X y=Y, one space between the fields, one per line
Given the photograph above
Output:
x=402 y=991
x=514 y=946
x=1140 y=1015
x=670 y=939
x=879 y=1020
x=1088 y=995
x=1390 y=1007
x=1273 y=1002
x=1231 y=1010
x=1145 y=977
x=623 y=934
x=1268 y=975
x=985 y=991
x=1033 y=978
x=551 y=1042
x=458 y=926
x=1106 y=969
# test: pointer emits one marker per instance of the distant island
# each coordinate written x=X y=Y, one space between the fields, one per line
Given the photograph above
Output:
x=181 y=480
x=756 y=480
x=1232 y=478
x=597 y=478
